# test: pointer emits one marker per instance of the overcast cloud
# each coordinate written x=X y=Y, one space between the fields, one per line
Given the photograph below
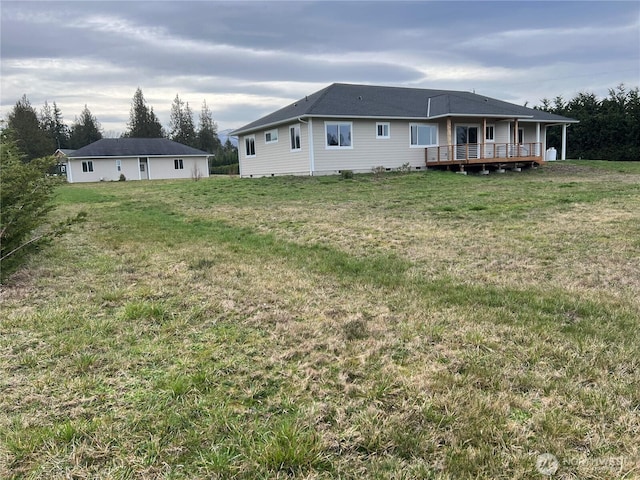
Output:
x=248 y=58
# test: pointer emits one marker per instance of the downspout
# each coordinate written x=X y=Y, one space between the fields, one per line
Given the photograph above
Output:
x=309 y=124
x=69 y=170
x=564 y=142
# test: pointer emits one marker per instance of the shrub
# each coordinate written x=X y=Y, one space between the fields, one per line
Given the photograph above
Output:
x=26 y=190
x=404 y=168
x=378 y=171
x=122 y=178
x=346 y=174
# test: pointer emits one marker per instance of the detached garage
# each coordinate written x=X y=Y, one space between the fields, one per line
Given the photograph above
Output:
x=136 y=159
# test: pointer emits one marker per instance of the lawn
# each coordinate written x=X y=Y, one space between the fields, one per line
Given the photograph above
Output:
x=424 y=325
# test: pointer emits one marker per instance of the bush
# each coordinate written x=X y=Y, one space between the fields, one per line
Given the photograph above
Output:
x=404 y=168
x=122 y=178
x=26 y=190
x=346 y=174
x=378 y=171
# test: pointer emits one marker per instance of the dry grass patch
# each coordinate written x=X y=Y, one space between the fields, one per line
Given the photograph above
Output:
x=317 y=328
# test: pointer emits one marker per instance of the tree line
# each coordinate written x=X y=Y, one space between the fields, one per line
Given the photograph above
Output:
x=39 y=134
x=609 y=128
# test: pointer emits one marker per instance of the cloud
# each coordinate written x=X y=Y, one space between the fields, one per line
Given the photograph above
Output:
x=250 y=58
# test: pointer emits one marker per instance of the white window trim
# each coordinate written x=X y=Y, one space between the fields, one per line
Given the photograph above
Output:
x=494 y=133
x=252 y=138
x=297 y=128
x=388 y=135
x=424 y=125
x=338 y=147
x=272 y=131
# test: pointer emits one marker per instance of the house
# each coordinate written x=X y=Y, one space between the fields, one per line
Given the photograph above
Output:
x=136 y=159
x=360 y=127
x=61 y=155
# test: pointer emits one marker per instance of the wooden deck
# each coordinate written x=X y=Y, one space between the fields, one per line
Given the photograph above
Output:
x=484 y=154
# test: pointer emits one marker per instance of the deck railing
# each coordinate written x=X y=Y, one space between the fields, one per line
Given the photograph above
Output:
x=477 y=152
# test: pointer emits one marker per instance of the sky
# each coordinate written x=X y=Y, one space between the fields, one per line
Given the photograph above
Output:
x=249 y=58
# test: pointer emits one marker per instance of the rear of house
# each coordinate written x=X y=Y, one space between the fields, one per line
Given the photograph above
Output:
x=359 y=127
x=112 y=159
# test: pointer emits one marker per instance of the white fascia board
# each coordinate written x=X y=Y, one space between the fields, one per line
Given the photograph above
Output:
x=265 y=126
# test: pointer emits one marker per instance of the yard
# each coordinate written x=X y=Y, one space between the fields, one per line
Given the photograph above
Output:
x=424 y=325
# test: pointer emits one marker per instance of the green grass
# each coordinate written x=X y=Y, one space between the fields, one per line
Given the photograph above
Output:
x=428 y=325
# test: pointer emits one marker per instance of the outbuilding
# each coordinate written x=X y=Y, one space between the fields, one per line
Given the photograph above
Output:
x=111 y=159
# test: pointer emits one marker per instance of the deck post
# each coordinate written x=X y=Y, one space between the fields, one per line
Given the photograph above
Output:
x=564 y=142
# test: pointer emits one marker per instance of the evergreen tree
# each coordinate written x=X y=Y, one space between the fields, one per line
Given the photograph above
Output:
x=207 y=136
x=85 y=130
x=143 y=122
x=26 y=193
x=181 y=123
x=52 y=123
x=608 y=129
x=27 y=131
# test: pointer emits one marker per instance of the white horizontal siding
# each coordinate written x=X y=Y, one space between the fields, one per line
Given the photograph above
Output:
x=275 y=158
x=105 y=169
x=367 y=151
x=164 y=168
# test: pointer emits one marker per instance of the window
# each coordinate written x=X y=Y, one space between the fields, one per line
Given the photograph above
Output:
x=294 y=137
x=271 y=136
x=489 y=133
x=87 y=166
x=178 y=164
x=338 y=134
x=423 y=135
x=250 y=146
x=382 y=130
x=119 y=165
x=520 y=136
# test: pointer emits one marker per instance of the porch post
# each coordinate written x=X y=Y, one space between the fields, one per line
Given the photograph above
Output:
x=564 y=142
x=538 y=138
x=515 y=137
x=449 y=142
x=483 y=140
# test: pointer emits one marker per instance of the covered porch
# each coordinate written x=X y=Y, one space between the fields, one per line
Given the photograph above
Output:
x=484 y=153
x=492 y=141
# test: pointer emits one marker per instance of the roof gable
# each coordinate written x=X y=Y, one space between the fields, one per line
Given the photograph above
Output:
x=135 y=147
x=348 y=100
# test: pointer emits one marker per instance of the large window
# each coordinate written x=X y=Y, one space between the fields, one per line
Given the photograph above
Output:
x=271 y=136
x=338 y=134
x=423 y=135
x=178 y=164
x=294 y=137
x=382 y=130
x=250 y=146
x=87 y=166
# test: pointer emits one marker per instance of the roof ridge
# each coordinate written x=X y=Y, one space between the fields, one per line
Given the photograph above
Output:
x=324 y=91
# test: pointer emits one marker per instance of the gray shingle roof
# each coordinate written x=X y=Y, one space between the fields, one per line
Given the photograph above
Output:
x=347 y=100
x=135 y=147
